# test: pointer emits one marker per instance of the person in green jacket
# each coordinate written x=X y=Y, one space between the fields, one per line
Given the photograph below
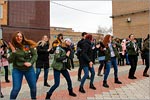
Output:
x=111 y=55
x=23 y=55
x=60 y=65
x=132 y=50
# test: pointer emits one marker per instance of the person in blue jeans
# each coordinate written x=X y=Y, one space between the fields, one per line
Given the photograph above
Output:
x=111 y=55
x=86 y=63
x=23 y=55
x=61 y=65
x=43 y=52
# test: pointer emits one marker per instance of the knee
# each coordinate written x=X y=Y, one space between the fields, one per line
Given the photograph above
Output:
x=56 y=84
x=86 y=74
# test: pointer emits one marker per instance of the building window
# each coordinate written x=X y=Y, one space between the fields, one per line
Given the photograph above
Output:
x=1 y=11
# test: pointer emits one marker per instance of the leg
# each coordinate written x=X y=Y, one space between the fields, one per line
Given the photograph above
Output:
x=100 y=68
x=56 y=81
x=114 y=63
x=79 y=73
x=6 y=74
x=147 y=65
x=132 y=63
x=108 y=66
x=17 y=77
x=31 y=79
x=72 y=64
x=38 y=71
x=86 y=73
x=65 y=73
x=92 y=78
x=46 y=70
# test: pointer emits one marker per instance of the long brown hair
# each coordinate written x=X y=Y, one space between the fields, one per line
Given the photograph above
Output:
x=106 y=40
x=25 y=41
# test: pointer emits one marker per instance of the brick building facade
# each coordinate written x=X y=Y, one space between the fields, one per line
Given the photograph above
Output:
x=131 y=16
x=31 y=17
x=69 y=33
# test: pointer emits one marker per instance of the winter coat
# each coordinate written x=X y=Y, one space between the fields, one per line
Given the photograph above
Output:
x=86 y=53
x=43 y=55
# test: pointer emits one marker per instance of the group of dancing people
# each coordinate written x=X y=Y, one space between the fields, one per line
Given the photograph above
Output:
x=23 y=53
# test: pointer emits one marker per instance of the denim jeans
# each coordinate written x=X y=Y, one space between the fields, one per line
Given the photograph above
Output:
x=127 y=59
x=113 y=62
x=86 y=70
x=38 y=71
x=65 y=73
x=17 y=77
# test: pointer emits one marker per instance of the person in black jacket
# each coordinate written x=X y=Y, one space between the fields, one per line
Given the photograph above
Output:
x=43 y=59
x=79 y=47
x=86 y=62
x=146 y=49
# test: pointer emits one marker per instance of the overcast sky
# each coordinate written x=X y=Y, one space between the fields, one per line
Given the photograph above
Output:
x=80 y=21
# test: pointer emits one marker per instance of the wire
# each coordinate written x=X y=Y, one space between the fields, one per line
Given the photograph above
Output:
x=78 y=9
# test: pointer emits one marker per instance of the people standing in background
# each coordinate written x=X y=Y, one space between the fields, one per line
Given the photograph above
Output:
x=111 y=55
x=122 y=56
x=94 y=50
x=72 y=54
x=146 y=49
x=78 y=53
x=23 y=56
x=3 y=59
x=59 y=64
x=58 y=40
x=43 y=51
x=101 y=59
x=86 y=63
x=132 y=49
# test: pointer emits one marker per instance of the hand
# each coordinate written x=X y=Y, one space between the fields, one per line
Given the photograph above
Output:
x=27 y=64
x=11 y=47
x=91 y=64
x=48 y=49
x=68 y=53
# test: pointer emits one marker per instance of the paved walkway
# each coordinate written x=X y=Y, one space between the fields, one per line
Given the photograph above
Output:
x=129 y=90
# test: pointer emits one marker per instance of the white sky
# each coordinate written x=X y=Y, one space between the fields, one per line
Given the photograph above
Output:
x=64 y=17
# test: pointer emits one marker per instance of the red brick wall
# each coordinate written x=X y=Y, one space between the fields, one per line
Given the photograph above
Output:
x=31 y=17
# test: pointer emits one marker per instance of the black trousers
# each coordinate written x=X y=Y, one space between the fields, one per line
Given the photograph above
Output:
x=133 y=63
x=146 y=62
x=6 y=73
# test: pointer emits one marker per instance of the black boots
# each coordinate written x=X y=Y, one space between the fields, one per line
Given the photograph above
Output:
x=71 y=93
x=92 y=87
x=145 y=74
x=117 y=81
x=1 y=96
x=46 y=84
x=48 y=96
x=81 y=89
x=105 y=84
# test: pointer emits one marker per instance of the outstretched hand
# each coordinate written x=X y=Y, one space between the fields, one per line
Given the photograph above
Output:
x=11 y=47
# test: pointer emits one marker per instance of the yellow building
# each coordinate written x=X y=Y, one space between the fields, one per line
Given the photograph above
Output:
x=69 y=33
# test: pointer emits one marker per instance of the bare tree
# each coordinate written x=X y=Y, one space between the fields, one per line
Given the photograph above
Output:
x=104 y=30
